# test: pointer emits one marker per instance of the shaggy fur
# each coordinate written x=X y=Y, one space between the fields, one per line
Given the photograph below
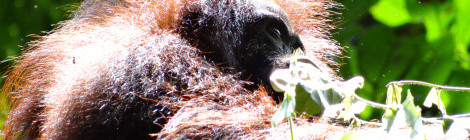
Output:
x=125 y=69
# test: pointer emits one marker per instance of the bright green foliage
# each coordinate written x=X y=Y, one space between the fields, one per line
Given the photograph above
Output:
x=307 y=92
x=390 y=40
x=461 y=32
x=396 y=16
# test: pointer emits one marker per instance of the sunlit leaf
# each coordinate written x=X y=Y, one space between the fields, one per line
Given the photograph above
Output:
x=316 y=101
x=394 y=94
x=391 y=12
x=347 y=113
x=311 y=91
x=446 y=124
x=285 y=110
x=310 y=75
x=413 y=115
x=281 y=80
x=434 y=97
x=304 y=102
x=393 y=118
x=388 y=118
x=431 y=98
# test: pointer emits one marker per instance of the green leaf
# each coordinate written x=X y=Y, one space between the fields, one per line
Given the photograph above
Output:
x=446 y=124
x=434 y=97
x=391 y=12
x=305 y=103
x=461 y=33
x=413 y=115
x=394 y=94
x=286 y=110
x=347 y=114
x=389 y=117
x=394 y=118
x=432 y=24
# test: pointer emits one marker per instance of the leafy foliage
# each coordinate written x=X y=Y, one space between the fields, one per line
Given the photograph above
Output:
x=434 y=97
x=390 y=40
x=307 y=92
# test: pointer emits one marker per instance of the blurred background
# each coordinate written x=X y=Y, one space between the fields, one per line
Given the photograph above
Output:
x=389 y=40
x=385 y=40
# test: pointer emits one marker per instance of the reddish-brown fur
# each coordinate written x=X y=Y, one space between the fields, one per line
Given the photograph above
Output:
x=115 y=56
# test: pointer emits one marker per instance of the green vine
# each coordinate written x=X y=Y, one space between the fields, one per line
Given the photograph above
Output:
x=310 y=91
x=414 y=82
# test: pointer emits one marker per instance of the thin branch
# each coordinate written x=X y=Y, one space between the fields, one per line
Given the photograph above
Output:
x=414 y=82
x=433 y=120
x=466 y=115
x=370 y=103
x=439 y=119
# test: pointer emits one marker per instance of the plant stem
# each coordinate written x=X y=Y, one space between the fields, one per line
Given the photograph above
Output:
x=414 y=82
x=466 y=115
x=439 y=119
x=370 y=103
x=291 y=128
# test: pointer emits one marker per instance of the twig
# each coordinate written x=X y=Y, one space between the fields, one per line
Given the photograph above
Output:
x=414 y=82
x=439 y=119
x=466 y=115
x=370 y=103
